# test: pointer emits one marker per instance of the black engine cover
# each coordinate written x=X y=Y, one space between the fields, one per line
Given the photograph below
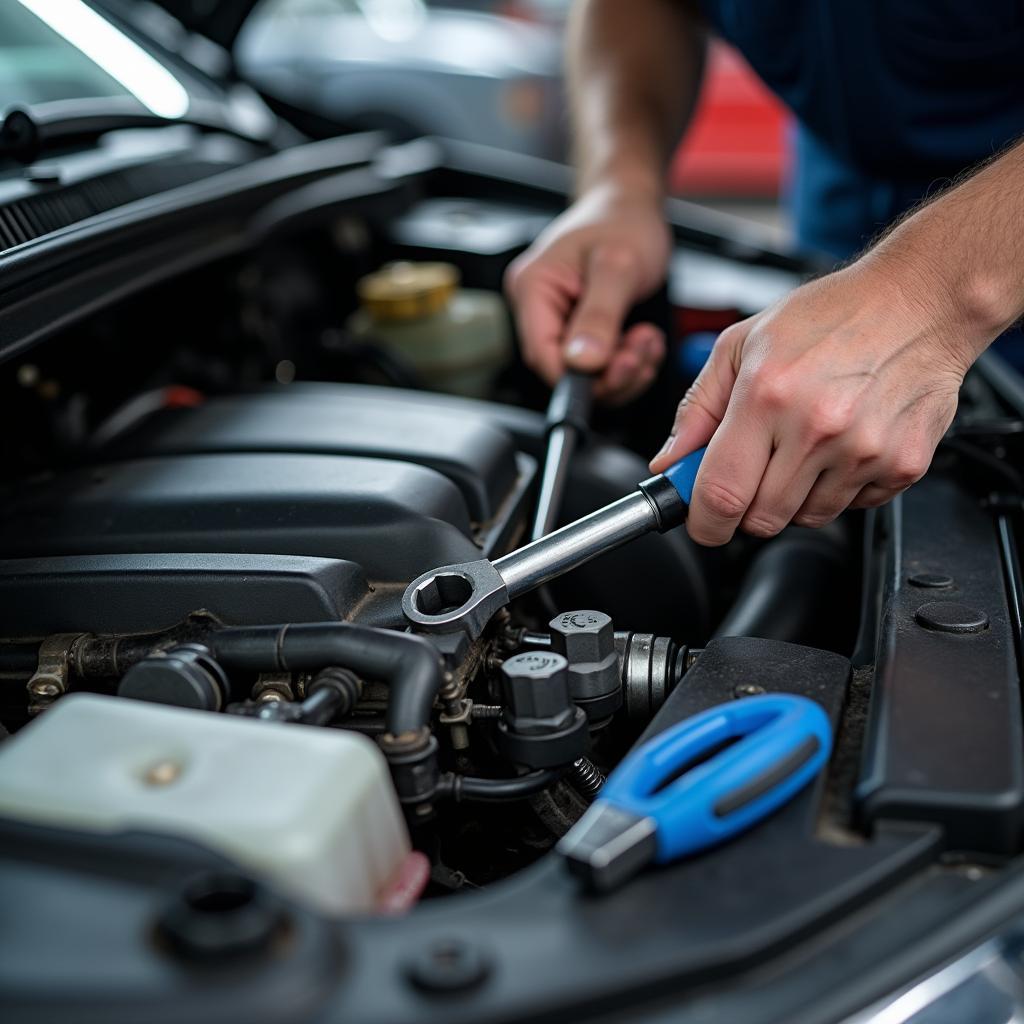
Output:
x=395 y=519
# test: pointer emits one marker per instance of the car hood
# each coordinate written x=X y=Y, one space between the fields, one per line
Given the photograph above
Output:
x=219 y=22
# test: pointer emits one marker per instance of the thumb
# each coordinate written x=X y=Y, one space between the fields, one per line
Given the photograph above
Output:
x=593 y=332
x=703 y=406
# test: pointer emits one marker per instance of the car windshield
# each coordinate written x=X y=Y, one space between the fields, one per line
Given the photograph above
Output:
x=68 y=51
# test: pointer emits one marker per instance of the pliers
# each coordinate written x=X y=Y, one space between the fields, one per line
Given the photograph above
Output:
x=655 y=808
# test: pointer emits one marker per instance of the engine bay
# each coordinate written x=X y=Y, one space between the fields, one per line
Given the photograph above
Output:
x=214 y=497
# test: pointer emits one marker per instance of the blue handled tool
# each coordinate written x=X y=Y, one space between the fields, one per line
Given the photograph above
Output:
x=653 y=808
x=466 y=595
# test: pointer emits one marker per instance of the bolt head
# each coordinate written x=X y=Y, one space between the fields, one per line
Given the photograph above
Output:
x=536 y=684
x=45 y=688
x=583 y=636
x=748 y=690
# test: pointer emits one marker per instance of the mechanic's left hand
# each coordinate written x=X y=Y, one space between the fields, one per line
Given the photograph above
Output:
x=837 y=396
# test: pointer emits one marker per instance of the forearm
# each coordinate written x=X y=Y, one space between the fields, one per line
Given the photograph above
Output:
x=634 y=72
x=962 y=255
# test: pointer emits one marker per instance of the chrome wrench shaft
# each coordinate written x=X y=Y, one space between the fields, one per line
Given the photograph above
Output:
x=466 y=595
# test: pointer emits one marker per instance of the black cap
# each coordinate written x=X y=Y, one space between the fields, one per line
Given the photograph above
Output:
x=186 y=676
x=539 y=726
x=587 y=640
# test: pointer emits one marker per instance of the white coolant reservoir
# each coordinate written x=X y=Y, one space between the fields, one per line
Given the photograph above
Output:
x=456 y=339
x=311 y=810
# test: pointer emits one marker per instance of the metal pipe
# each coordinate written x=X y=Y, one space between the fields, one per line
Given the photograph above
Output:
x=561 y=445
x=568 y=415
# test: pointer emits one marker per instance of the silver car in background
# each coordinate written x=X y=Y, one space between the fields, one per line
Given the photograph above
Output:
x=412 y=69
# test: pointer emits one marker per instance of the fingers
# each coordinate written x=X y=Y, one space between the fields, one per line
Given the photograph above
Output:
x=832 y=495
x=633 y=366
x=703 y=406
x=872 y=496
x=609 y=290
x=728 y=479
x=542 y=298
x=788 y=479
x=875 y=481
x=901 y=472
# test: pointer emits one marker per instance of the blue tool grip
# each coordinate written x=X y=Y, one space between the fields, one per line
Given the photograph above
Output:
x=782 y=743
x=683 y=474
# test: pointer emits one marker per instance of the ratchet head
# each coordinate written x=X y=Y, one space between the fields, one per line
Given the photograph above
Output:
x=463 y=596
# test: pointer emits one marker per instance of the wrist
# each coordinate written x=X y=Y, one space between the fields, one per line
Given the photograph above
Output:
x=931 y=302
x=622 y=191
x=622 y=177
x=972 y=287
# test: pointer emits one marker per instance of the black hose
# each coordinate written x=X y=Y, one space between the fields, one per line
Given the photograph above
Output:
x=791 y=582
x=20 y=659
x=409 y=665
x=470 y=787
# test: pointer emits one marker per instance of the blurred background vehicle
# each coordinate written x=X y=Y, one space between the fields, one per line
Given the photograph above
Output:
x=491 y=72
x=412 y=69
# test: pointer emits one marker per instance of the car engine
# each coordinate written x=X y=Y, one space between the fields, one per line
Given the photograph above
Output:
x=248 y=555
x=237 y=781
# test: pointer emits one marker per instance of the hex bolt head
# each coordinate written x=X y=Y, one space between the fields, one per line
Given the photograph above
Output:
x=536 y=685
x=583 y=636
x=587 y=640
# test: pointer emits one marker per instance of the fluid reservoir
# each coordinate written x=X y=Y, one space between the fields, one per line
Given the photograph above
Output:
x=456 y=339
x=312 y=811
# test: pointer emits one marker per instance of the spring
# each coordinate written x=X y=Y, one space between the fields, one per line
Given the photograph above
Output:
x=587 y=778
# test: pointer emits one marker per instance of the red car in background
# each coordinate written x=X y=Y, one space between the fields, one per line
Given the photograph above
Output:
x=735 y=147
x=736 y=144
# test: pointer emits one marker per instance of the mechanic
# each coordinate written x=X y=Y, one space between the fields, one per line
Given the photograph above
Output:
x=838 y=395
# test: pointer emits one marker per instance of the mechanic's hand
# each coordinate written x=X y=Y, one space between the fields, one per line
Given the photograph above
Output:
x=572 y=290
x=837 y=396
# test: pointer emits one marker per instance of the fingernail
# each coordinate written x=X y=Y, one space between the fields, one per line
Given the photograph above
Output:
x=665 y=447
x=582 y=346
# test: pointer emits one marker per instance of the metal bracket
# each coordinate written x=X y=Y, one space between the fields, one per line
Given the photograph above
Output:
x=50 y=679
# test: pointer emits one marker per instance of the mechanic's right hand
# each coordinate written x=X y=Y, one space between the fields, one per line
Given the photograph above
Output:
x=572 y=289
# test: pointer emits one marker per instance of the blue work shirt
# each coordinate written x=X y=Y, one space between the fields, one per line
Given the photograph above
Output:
x=893 y=99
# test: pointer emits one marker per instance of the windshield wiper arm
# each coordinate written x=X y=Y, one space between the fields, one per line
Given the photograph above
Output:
x=25 y=133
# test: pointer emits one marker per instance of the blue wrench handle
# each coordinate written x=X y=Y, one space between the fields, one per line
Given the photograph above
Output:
x=782 y=741
x=683 y=474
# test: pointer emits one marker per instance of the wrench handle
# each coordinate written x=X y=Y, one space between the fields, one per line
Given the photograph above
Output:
x=571 y=401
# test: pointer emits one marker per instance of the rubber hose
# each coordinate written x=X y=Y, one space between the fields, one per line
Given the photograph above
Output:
x=409 y=665
x=470 y=787
x=787 y=586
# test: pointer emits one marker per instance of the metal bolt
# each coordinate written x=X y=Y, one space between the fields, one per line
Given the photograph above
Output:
x=587 y=777
x=163 y=773
x=448 y=965
x=748 y=690
x=45 y=689
x=272 y=688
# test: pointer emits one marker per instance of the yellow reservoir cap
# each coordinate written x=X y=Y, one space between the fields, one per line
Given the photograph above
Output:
x=407 y=291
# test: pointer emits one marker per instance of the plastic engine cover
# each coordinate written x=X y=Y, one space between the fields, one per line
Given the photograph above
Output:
x=395 y=519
